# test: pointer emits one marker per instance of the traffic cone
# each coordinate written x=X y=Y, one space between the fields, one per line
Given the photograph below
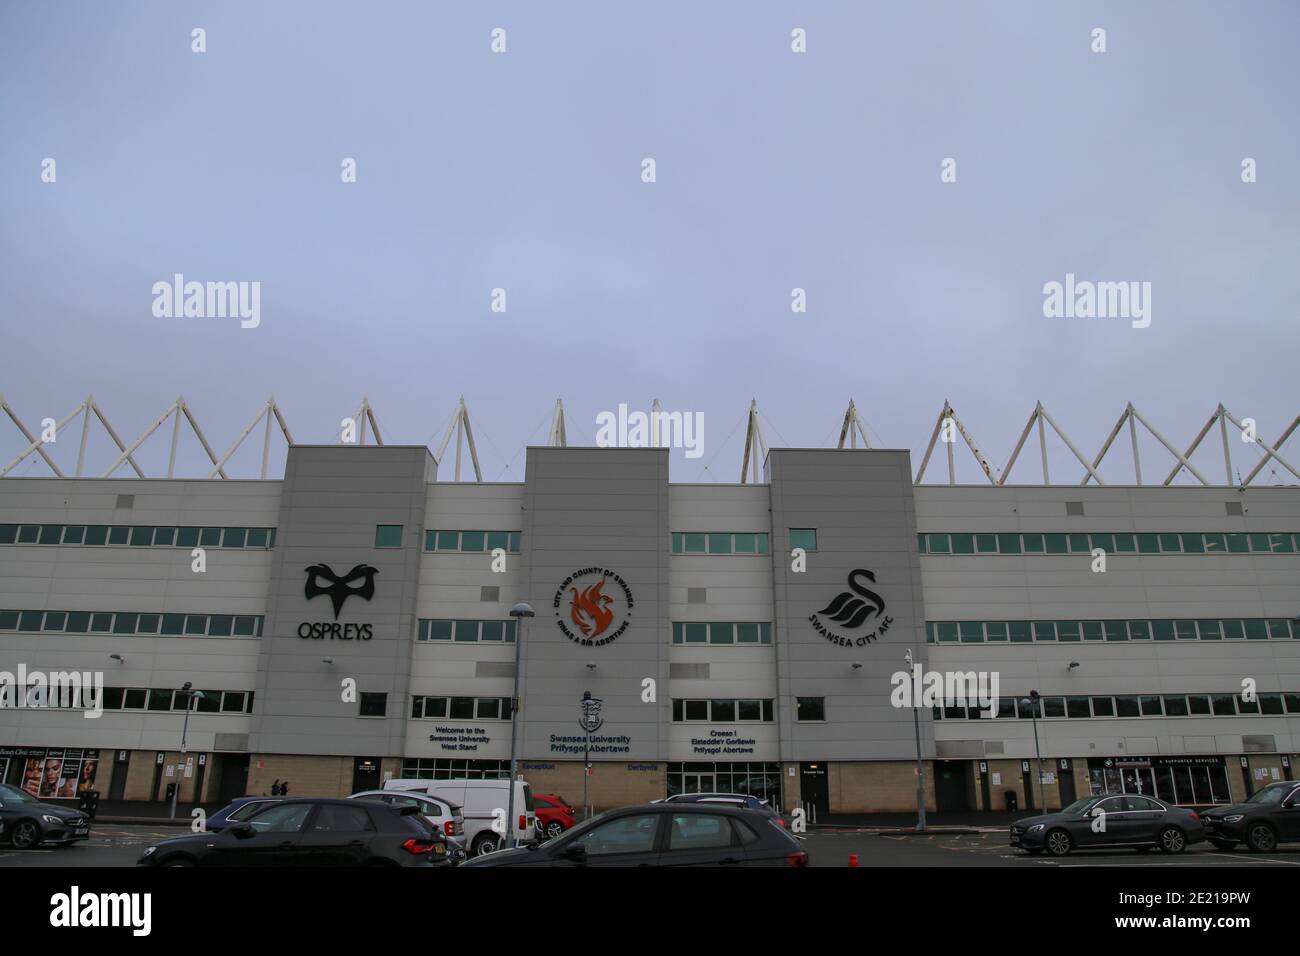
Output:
x=853 y=860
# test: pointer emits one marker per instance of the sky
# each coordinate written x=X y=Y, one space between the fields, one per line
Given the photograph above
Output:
x=774 y=170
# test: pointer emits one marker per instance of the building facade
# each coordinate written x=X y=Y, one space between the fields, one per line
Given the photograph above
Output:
x=351 y=622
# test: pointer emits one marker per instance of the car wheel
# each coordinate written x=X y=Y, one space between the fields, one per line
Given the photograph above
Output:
x=1261 y=838
x=1059 y=843
x=554 y=829
x=1224 y=844
x=25 y=835
x=486 y=844
x=1172 y=840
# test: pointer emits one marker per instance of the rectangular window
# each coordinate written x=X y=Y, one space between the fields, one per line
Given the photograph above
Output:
x=373 y=705
x=1033 y=543
x=472 y=542
x=810 y=708
x=1210 y=630
x=173 y=625
x=805 y=538
x=1044 y=631
x=119 y=535
x=1198 y=705
x=50 y=533
x=1224 y=705
x=1056 y=543
x=719 y=544
x=1192 y=543
x=1151 y=707
x=124 y=623
x=1175 y=706
x=970 y=632
x=1079 y=544
x=489 y=708
x=257 y=537
x=494 y=630
x=462 y=708
x=1171 y=544
x=55 y=620
x=1139 y=630
x=1127 y=707
x=1148 y=544
x=747 y=633
x=234 y=537
x=697 y=710
x=723 y=711
x=195 y=623
x=963 y=544
x=1116 y=630
x=220 y=625
x=388 y=536
x=187 y=537
x=986 y=544
x=78 y=622
x=1019 y=632
x=748 y=710
x=697 y=633
x=467 y=631
x=1125 y=544
x=722 y=633
x=1278 y=627
x=1162 y=630
x=210 y=537
x=498 y=540
x=947 y=631
x=695 y=542
x=8 y=533
x=995 y=630
x=1103 y=706
x=746 y=544
x=1233 y=630
x=1008 y=544
x=1215 y=543
x=1067 y=631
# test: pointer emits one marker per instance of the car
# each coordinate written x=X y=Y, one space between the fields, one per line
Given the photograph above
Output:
x=554 y=815
x=663 y=834
x=310 y=832
x=442 y=815
x=27 y=822
x=1270 y=817
x=483 y=803
x=238 y=810
x=1117 y=820
x=733 y=799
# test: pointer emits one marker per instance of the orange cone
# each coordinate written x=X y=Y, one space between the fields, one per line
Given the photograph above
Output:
x=853 y=860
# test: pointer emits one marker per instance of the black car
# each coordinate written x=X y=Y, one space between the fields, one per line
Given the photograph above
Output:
x=29 y=823
x=663 y=834
x=1127 y=820
x=311 y=832
x=1270 y=817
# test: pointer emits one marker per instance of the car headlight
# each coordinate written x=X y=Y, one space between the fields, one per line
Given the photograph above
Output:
x=1035 y=827
x=1235 y=818
x=52 y=820
x=148 y=852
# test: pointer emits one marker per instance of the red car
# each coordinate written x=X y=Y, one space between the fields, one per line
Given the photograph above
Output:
x=554 y=816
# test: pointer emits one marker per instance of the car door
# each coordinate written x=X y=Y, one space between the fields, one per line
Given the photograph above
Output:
x=1146 y=818
x=1288 y=817
x=337 y=835
x=701 y=839
x=628 y=840
x=1107 y=823
x=277 y=830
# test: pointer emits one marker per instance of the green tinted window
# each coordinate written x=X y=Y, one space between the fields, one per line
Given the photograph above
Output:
x=55 y=620
x=1234 y=630
x=141 y=537
x=187 y=537
x=1092 y=630
x=1033 y=543
x=119 y=535
x=947 y=631
x=173 y=624
x=515 y=537
x=1068 y=630
x=498 y=539
x=494 y=630
x=1215 y=543
x=938 y=544
x=124 y=623
x=963 y=544
x=467 y=630
x=472 y=541
x=50 y=533
x=448 y=540
x=696 y=633
x=722 y=634
x=995 y=630
x=695 y=543
x=220 y=625
x=29 y=533
x=1139 y=631
x=761 y=541
x=1210 y=630
x=236 y=537
x=210 y=538
x=243 y=626
x=1044 y=631
x=746 y=544
x=677 y=542
x=1192 y=544
x=971 y=632
x=805 y=538
x=196 y=623
x=8 y=533
x=78 y=622
x=440 y=630
x=720 y=544
x=1125 y=544
x=74 y=534
x=148 y=624
x=1238 y=544
x=986 y=544
x=1104 y=541
x=30 y=621
x=1116 y=630
x=1056 y=543
x=257 y=537
x=1079 y=544
x=1019 y=632
x=1148 y=544
x=164 y=536
x=1162 y=630
x=1185 y=630
x=1009 y=544
x=1171 y=543
x=747 y=633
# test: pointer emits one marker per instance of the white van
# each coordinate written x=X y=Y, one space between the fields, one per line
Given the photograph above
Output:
x=479 y=801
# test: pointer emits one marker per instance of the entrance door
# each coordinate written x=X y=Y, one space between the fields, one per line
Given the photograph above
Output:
x=814 y=788
x=1065 y=781
x=699 y=783
x=233 y=779
x=365 y=774
x=117 y=786
x=950 y=785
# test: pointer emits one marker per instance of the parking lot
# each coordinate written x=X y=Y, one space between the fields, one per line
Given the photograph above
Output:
x=121 y=844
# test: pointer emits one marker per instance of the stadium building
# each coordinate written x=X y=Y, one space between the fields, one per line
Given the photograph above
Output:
x=351 y=621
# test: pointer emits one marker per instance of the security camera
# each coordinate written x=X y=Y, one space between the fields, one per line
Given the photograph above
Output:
x=857 y=665
x=327 y=660
x=117 y=657
x=591 y=666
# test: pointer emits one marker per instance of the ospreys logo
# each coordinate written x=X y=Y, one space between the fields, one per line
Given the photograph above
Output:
x=590 y=610
x=851 y=609
x=341 y=588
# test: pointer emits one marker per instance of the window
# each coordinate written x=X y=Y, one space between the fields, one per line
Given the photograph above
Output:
x=805 y=538
x=471 y=542
x=280 y=818
x=373 y=705
x=388 y=536
x=337 y=818
x=698 y=831
x=633 y=834
x=810 y=708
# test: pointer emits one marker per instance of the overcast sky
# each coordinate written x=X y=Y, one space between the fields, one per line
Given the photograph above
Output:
x=775 y=170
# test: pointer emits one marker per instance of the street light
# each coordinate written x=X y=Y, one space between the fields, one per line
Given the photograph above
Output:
x=193 y=695
x=1033 y=702
x=519 y=612
x=920 y=770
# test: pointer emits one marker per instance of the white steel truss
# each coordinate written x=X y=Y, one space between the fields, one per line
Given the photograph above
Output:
x=464 y=434
x=948 y=428
x=755 y=446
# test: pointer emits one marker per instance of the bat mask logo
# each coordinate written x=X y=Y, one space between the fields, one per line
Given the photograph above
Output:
x=340 y=588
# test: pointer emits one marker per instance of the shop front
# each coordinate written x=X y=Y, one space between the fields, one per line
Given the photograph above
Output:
x=50 y=773
x=1184 y=781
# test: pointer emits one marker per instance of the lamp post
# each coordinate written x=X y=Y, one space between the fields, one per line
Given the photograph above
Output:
x=920 y=768
x=193 y=695
x=1033 y=702
x=519 y=612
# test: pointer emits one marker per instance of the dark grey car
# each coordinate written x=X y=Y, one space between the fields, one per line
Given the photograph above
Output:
x=28 y=822
x=1115 y=821
x=663 y=834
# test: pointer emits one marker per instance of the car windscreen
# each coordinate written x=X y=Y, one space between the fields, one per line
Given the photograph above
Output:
x=15 y=795
x=1270 y=796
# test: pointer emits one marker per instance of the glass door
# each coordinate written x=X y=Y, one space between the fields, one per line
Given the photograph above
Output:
x=698 y=783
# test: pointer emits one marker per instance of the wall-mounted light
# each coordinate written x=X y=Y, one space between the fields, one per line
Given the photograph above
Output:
x=856 y=665
x=1073 y=665
x=327 y=660
x=117 y=657
x=591 y=666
